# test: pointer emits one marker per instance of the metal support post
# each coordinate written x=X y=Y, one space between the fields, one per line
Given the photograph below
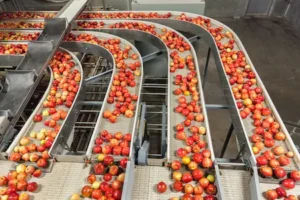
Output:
x=194 y=38
x=205 y=69
x=151 y=56
x=92 y=79
x=227 y=140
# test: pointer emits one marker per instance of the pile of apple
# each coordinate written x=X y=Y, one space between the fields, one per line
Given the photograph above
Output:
x=194 y=183
x=124 y=78
x=106 y=181
x=122 y=15
x=19 y=36
x=86 y=24
x=14 y=185
x=13 y=49
x=34 y=147
x=115 y=144
x=23 y=25
x=25 y=15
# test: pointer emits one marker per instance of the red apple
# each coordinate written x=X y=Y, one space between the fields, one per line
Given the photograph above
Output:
x=261 y=160
x=281 y=192
x=288 y=183
x=161 y=187
x=176 y=165
x=178 y=186
x=295 y=175
x=32 y=187
x=86 y=191
x=279 y=172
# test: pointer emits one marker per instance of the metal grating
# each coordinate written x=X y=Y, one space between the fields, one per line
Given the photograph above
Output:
x=236 y=184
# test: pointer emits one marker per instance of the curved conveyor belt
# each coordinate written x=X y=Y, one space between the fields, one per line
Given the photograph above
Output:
x=219 y=38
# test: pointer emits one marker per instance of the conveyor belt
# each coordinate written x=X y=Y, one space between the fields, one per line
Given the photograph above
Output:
x=235 y=184
x=173 y=118
x=19 y=35
x=30 y=125
x=123 y=124
x=19 y=24
x=28 y=15
x=197 y=24
x=180 y=21
x=145 y=180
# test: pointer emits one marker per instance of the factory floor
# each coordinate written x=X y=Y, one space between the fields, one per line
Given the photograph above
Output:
x=273 y=47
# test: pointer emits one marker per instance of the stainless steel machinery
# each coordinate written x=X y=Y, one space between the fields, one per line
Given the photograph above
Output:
x=135 y=70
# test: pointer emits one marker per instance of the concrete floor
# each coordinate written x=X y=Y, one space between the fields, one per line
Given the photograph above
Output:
x=273 y=47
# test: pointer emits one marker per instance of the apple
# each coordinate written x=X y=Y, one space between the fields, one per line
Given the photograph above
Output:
x=37 y=173
x=186 y=177
x=197 y=174
x=113 y=170
x=271 y=195
x=75 y=197
x=204 y=182
x=161 y=187
x=291 y=197
x=198 y=190
x=24 y=141
x=175 y=165
x=42 y=162
x=289 y=154
x=181 y=152
x=91 y=178
x=188 y=189
x=281 y=192
x=211 y=178
x=198 y=158
x=280 y=136
x=266 y=171
x=279 y=172
x=178 y=186
x=99 y=168
x=32 y=187
x=20 y=168
x=177 y=176
x=116 y=185
x=269 y=154
x=15 y=157
x=283 y=160
x=186 y=160
x=211 y=189
x=207 y=163
x=22 y=176
x=295 y=175
x=96 y=184
x=278 y=150
x=37 y=118
x=24 y=196
x=261 y=160
x=86 y=191
x=288 y=183
x=22 y=185
x=3 y=180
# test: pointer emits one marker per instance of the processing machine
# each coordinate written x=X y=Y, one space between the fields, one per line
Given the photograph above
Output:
x=99 y=103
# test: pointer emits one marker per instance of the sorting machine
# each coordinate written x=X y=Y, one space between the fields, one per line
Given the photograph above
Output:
x=30 y=40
